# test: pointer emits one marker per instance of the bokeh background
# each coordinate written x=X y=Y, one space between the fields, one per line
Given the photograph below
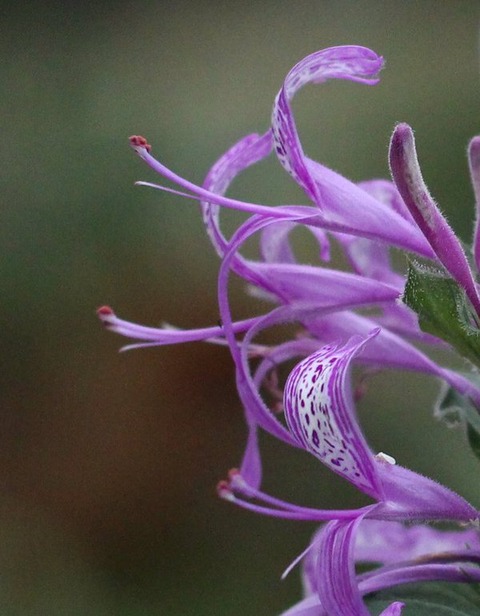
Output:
x=109 y=461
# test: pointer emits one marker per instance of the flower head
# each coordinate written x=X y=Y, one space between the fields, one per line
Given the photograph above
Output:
x=344 y=318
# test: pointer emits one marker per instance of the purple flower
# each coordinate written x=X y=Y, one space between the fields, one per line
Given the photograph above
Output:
x=365 y=220
x=408 y=179
x=400 y=553
x=320 y=414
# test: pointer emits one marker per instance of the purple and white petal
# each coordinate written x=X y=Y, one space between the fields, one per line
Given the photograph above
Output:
x=320 y=413
x=337 y=584
x=347 y=62
x=341 y=201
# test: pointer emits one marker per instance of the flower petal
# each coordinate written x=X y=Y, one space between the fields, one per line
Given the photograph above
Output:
x=251 y=467
x=245 y=153
x=408 y=178
x=410 y=496
x=371 y=258
x=274 y=243
x=167 y=334
x=310 y=606
x=353 y=210
x=348 y=62
x=329 y=287
x=340 y=200
x=337 y=584
x=387 y=542
x=320 y=414
x=275 y=246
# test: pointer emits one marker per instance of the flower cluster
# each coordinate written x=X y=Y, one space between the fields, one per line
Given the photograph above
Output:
x=315 y=409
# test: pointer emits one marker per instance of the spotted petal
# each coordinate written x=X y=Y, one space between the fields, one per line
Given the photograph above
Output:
x=320 y=414
x=352 y=209
x=348 y=62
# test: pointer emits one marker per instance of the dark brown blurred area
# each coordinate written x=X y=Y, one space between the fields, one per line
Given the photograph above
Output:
x=109 y=461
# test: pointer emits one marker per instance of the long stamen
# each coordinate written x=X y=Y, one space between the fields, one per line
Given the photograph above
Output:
x=307 y=215
x=236 y=490
x=166 y=334
x=284 y=212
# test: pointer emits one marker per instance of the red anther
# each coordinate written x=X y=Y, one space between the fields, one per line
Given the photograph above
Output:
x=223 y=487
x=137 y=141
x=360 y=391
x=233 y=473
x=105 y=311
x=277 y=408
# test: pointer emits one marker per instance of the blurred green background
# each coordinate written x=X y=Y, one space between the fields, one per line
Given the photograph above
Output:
x=108 y=461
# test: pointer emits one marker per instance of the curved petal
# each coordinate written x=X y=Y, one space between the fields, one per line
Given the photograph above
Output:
x=347 y=62
x=320 y=414
x=310 y=606
x=392 y=543
x=340 y=200
x=251 y=466
x=387 y=193
x=408 y=178
x=243 y=154
x=337 y=584
x=384 y=578
x=167 y=334
x=275 y=245
x=348 y=205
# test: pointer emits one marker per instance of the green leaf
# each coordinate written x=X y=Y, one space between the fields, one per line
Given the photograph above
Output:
x=437 y=598
x=456 y=410
x=443 y=309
